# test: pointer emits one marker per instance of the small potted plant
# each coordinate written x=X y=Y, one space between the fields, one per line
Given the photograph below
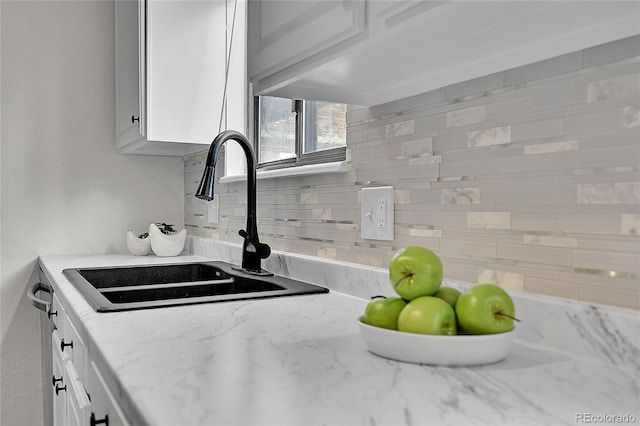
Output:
x=161 y=237
x=165 y=241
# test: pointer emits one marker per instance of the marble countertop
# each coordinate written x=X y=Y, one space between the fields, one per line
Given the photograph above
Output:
x=301 y=361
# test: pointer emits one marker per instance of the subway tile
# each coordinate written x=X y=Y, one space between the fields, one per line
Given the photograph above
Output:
x=537 y=130
x=425 y=159
x=321 y=214
x=417 y=147
x=462 y=117
x=606 y=260
x=550 y=240
x=593 y=123
x=630 y=224
x=509 y=107
x=535 y=254
x=461 y=196
x=448 y=219
x=457 y=248
x=478 y=167
x=591 y=223
x=309 y=198
x=631 y=116
x=550 y=147
x=607 y=156
x=609 y=193
x=489 y=220
x=426 y=171
x=401 y=196
x=414 y=217
x=430 y=233
x=561 y=97
x=615 y=297
x=399 y=129
x=538 y=164
x=450 y=142
x=622 y=87
x=488 y=137
x=327 y=252
x=500 y=190
x=507 y=280
x=553 y=288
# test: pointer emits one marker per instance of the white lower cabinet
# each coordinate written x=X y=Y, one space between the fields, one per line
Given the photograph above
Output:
x=80 y=394
x=58 y=382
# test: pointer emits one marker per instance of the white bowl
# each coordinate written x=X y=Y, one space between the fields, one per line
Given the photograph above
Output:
x=436 y=350
x=166 y=245
x=138 y=246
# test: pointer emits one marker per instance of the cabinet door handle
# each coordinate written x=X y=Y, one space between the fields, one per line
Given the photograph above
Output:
x=52 y=313
x=43 y=305
x=134 y=119
x=64 y=345
x=61 y=388
x=95 y=422
x=54 y=381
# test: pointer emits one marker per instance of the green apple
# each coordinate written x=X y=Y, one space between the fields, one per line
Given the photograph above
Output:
x=428 y=315
x=383 y=312
x=485 y=309
x=449 y=295
x=415 y=271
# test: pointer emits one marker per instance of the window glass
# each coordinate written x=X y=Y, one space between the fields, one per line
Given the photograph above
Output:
x=277 y=127
x=325 y=126
x=294 y=132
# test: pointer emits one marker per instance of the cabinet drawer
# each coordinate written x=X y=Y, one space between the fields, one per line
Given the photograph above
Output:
x=56 y=312
x=73 y=345
x=58 y=381
x=103 y=404
x=78 y=404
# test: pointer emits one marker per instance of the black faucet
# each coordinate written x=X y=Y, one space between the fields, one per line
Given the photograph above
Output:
x=253 y=251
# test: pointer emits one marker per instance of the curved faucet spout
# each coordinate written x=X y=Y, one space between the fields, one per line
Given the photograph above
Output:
x=253 y=251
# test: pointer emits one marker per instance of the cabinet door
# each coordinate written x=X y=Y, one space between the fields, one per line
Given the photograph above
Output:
x=170 y=75
x=130 y=48
x=103 y=404
x=285 y=33
x=73 y=346
x=58 y=382
x=78 y=404
x=185 y=70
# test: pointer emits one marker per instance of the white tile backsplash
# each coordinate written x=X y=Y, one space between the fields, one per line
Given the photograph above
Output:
x=528 y=178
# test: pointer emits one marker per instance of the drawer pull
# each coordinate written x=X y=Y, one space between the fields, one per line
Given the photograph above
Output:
x=54 y=381
x=61 y=388
x=63 y=345
x=134 y=119
x=52 y=314
x=95 y=422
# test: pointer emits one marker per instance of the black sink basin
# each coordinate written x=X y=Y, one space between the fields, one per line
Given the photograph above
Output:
x=145 y=287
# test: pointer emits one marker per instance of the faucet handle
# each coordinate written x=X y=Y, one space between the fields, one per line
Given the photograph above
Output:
x=263 y=250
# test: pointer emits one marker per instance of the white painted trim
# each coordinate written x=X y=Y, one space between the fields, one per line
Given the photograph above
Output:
x=311 y=169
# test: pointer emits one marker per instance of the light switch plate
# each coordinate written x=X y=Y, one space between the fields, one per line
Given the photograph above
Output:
x=377 y=213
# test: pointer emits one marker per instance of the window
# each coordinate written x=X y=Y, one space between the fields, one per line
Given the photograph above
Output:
x=297 y=132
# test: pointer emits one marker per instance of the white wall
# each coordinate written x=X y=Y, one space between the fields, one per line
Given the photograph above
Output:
x=65 y=188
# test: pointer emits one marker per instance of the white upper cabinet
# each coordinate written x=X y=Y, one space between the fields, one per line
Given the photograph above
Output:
x=368 y=52
x=170 y=74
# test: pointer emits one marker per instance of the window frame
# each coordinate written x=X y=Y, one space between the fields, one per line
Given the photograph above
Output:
x=301 y=158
